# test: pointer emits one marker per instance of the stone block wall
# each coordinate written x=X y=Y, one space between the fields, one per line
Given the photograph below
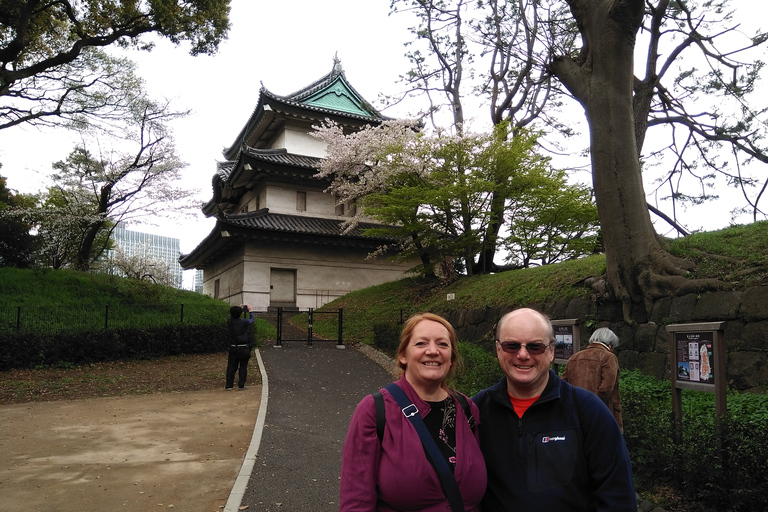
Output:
x=645 y=345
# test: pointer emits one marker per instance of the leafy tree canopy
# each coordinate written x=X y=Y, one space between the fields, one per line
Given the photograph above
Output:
x=48 y=57
x=16 y=242
x=433 y=192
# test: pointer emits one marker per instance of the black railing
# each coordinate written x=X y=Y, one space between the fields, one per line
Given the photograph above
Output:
x=53 y=319
x=287 y=331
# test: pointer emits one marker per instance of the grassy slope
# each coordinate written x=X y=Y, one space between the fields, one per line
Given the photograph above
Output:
x=738 y=256
x=62 y=287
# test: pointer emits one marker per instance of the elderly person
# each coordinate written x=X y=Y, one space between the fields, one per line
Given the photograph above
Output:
x=387 y=469
x=547 y=444
x=596 y=369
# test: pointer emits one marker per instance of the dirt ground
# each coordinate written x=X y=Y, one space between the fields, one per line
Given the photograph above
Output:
x=196 y=372
x=134 y=436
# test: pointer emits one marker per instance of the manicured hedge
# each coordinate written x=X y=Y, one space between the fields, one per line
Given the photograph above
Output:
x=28 y=350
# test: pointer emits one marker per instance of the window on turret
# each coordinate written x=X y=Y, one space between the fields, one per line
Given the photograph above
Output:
x=347 y=209
x=301 y=201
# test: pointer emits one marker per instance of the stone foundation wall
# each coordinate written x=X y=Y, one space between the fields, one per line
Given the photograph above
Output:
x=645 y=346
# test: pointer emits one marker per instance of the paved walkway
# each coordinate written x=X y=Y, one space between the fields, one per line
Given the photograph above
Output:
x=312 y=392
x=184 y=451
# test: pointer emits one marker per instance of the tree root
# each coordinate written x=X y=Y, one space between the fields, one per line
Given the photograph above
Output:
x=660 y=275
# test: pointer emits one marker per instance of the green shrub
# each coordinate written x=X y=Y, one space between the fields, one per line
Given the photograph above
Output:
x=718 y=471
x=203 y=331
x=29 y=350
x=386 y=337
x=478 y=370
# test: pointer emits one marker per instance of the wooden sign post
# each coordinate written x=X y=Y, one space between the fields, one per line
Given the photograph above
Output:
x=567 y=340
x=697 y=357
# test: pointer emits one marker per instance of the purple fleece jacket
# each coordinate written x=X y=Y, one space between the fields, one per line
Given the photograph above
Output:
x=395 y=475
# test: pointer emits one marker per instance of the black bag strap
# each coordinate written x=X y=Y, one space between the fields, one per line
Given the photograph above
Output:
x=381 y=417
x=450 y=488
x=467 y=411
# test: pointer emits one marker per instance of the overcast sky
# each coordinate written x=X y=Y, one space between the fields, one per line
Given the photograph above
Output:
x=284 y=45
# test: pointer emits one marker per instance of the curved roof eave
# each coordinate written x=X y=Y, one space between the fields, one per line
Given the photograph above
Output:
x=294 y=102
x=263 y=226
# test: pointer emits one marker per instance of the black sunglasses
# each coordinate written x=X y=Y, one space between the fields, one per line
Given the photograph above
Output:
x=533 y=348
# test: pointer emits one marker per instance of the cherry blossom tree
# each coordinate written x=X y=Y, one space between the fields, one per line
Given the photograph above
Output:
x=141 y=264
x=433 y=192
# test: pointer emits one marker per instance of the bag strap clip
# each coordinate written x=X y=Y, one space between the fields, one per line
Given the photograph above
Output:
x=410 y=410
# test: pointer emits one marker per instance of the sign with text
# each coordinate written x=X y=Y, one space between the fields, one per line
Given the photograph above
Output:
x=695 y=361
x=563 y=341
x=697 y=356
x=566 y=339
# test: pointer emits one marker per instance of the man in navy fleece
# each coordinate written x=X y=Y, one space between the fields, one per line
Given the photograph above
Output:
x=547 y=445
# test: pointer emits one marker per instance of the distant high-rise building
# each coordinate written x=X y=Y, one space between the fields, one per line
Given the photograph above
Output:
x=157 y=247
x=199 y=280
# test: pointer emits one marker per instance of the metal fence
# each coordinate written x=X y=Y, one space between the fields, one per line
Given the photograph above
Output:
x=53 y=319
x=286 y=331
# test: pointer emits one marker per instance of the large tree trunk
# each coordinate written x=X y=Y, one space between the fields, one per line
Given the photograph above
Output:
x=486 y=262
x=639 y=269
x=84 y=256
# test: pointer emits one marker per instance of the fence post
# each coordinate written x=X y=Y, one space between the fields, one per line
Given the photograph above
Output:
x=340 y=342
x=279 y=342
x=106 y=317
x=309 y=327
x=182 y=313
x=18 y=318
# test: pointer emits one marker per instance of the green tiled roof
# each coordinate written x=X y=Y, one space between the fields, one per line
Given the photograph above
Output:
x=338 y=96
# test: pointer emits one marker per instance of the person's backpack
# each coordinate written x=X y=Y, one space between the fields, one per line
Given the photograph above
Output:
x=381 y=419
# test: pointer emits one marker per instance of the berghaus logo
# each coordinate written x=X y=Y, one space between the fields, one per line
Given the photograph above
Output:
x=547 y=439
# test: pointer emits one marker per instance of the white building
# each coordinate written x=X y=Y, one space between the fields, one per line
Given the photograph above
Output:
x=278 y=239
x=156 y=247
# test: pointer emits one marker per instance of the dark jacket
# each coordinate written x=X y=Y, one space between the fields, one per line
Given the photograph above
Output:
x=565 y=454
x=238 y=329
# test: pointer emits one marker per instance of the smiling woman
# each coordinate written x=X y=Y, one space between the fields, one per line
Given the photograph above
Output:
x=381 y=436
x=427 y=355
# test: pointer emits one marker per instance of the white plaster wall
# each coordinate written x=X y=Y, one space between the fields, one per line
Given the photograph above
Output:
x=230 y=273
x=322 y=273
x=251 y=200
x=298 y=142
x=321 y=204
x=283 y=200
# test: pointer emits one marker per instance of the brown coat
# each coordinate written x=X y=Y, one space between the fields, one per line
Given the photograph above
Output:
x=596 y=369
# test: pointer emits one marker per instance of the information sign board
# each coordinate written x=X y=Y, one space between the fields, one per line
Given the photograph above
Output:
x=566 y=339
x=695 y=356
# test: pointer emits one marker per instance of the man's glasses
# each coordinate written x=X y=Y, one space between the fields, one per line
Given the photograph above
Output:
x=533 y=348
